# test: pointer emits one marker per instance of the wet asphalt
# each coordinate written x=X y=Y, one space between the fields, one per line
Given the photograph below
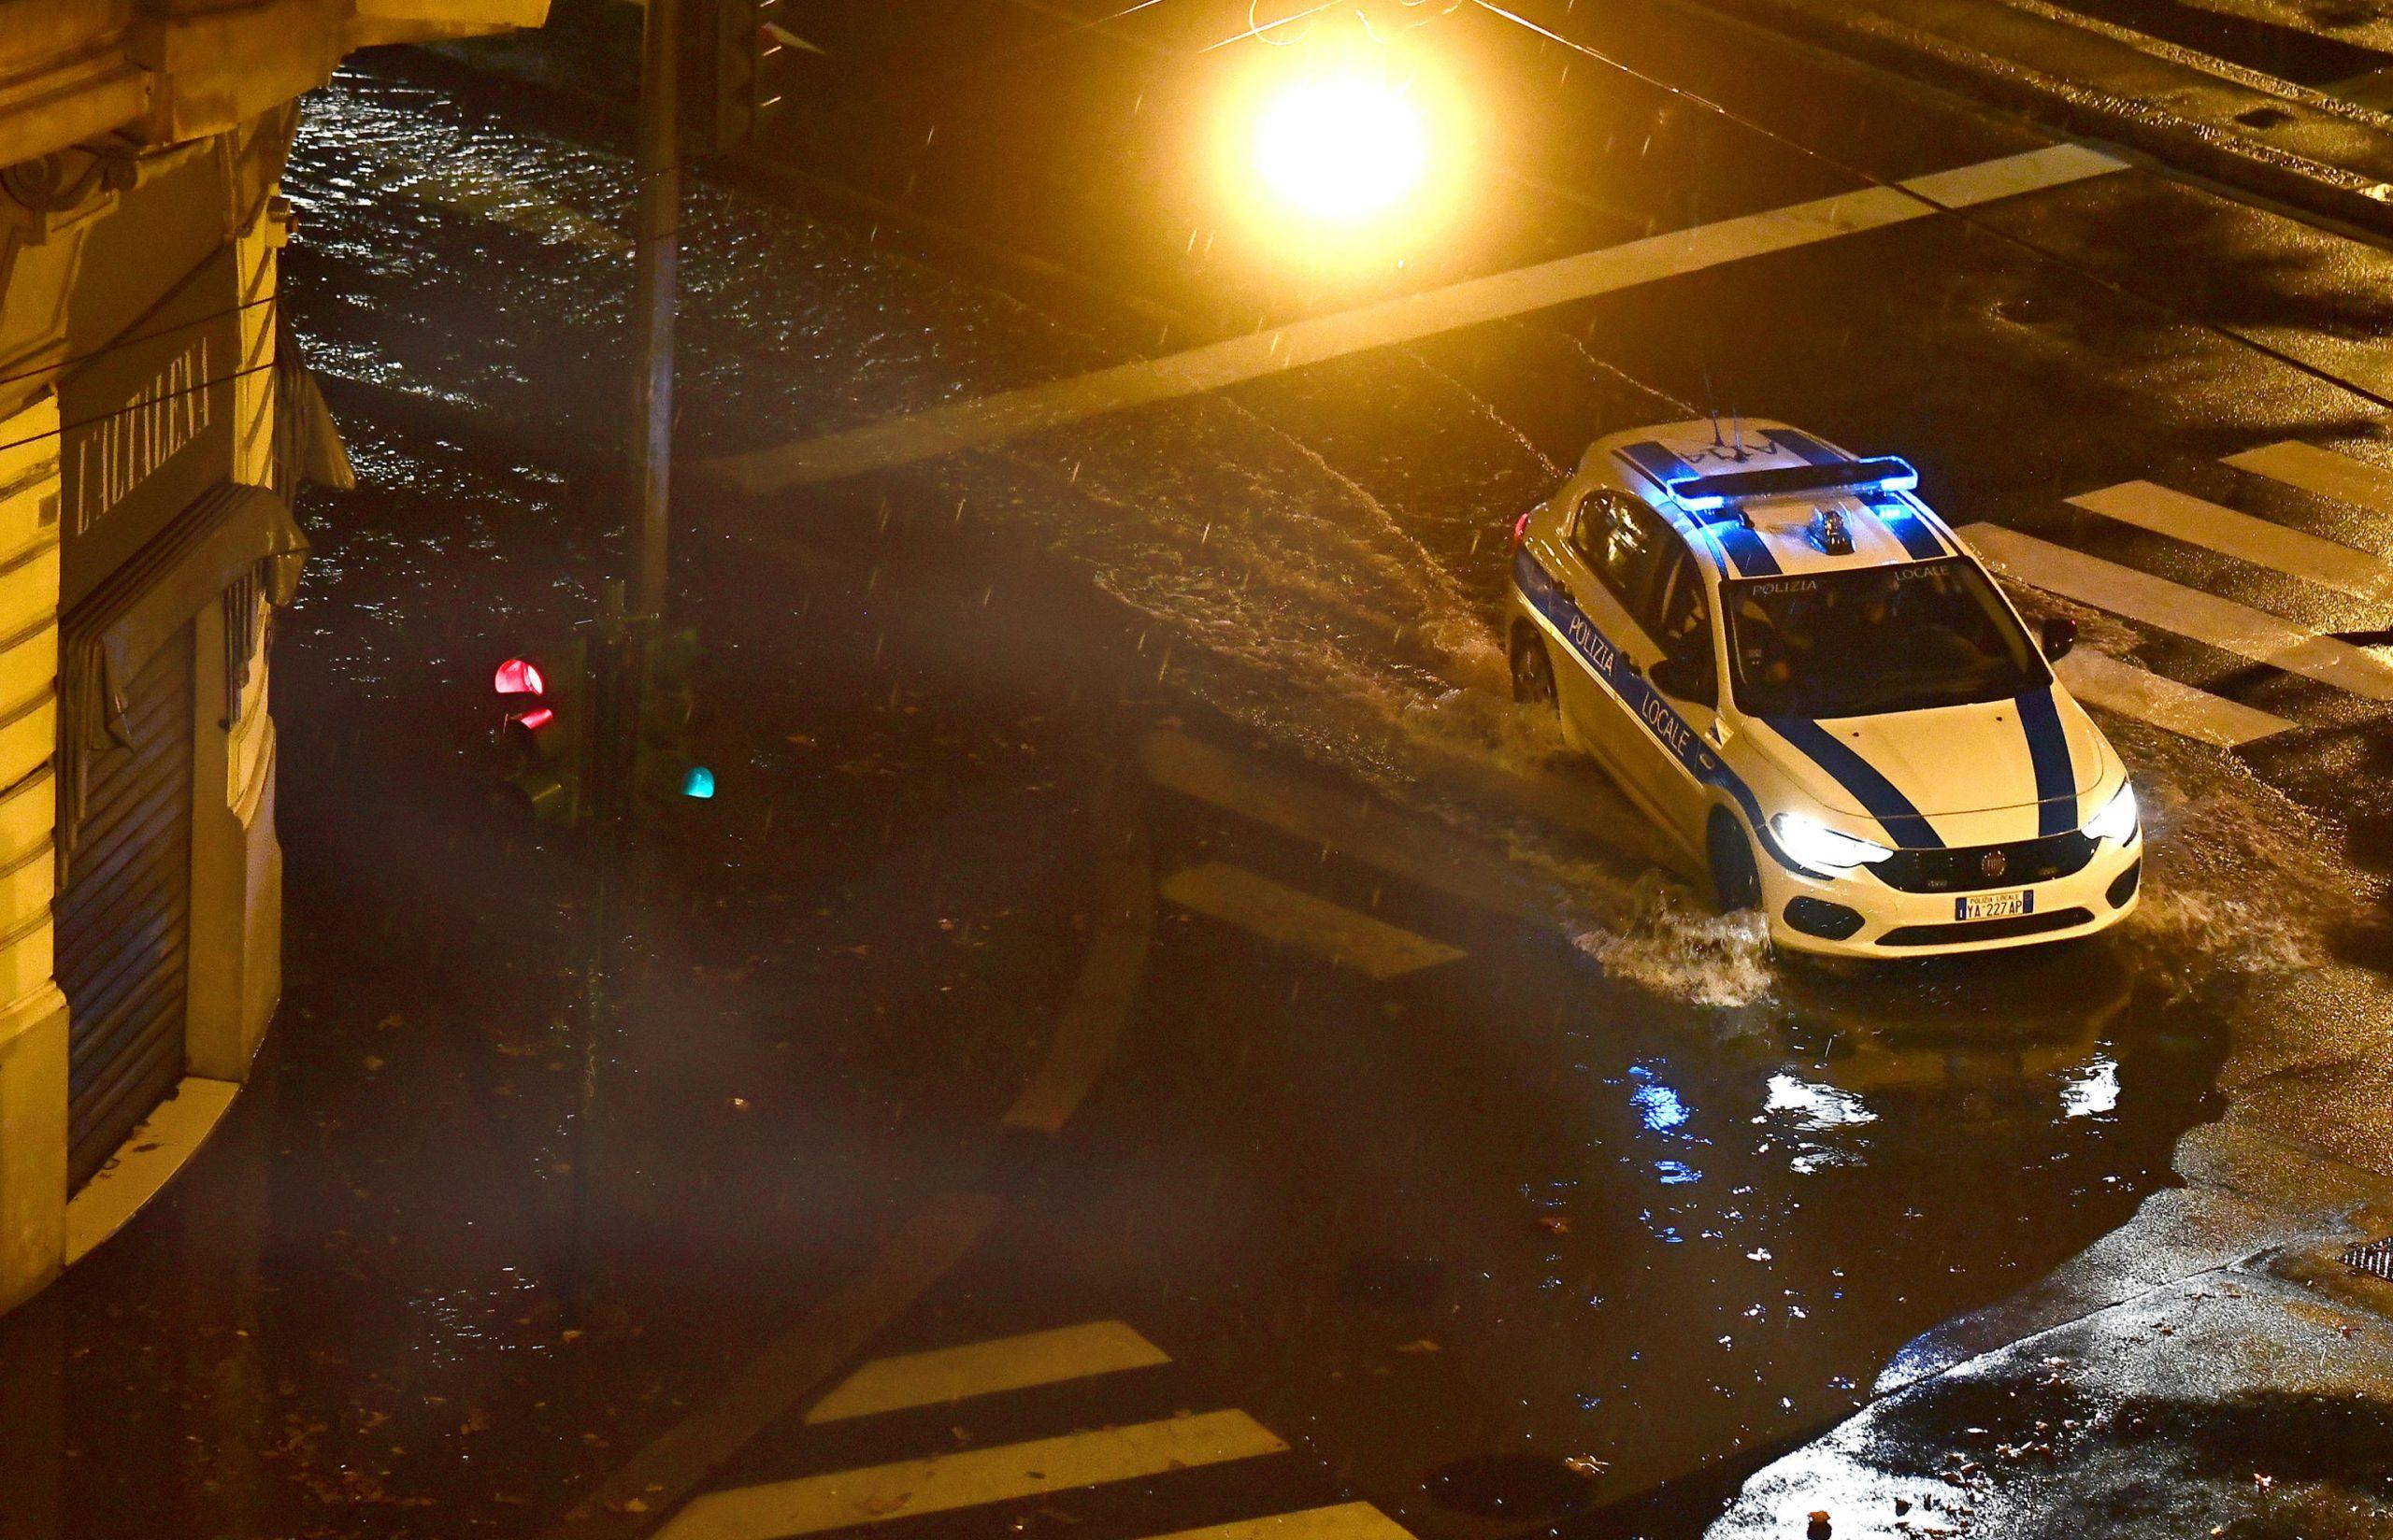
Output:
x=1612 y=1187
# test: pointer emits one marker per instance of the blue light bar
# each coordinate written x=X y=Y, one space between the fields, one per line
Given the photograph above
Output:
x=1905 y=480
x=1710 y=493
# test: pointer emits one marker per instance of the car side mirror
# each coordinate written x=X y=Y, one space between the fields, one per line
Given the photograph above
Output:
x=2058 y=634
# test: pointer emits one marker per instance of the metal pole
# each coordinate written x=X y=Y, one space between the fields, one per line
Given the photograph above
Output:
x=656 y=258
x=619 y=681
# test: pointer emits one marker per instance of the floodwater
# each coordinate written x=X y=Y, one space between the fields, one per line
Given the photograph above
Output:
x=1731 y=1186
x=1356 y=632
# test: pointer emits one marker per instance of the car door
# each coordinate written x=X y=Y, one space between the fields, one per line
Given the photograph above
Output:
x=1618 y=548
x=1685 y=708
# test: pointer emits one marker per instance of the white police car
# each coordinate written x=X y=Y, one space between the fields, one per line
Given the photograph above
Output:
x=1793 y=666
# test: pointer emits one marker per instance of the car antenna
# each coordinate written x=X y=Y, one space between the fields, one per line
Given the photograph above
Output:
x=1711 y=411
x=1738 y=423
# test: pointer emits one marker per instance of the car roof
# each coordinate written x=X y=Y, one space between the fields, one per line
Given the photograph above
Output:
x=1751 y=494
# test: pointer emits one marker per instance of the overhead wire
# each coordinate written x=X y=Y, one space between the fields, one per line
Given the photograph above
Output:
x=1983 y=226
x=1257 y=29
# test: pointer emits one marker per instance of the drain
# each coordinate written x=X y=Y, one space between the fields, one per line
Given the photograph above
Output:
x=2374 y=1259
x=1512 y=1486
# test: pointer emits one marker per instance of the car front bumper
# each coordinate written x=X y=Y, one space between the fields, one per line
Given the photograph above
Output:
x=1887 y=922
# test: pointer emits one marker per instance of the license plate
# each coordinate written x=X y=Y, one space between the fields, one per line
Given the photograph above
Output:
x=1994 y=906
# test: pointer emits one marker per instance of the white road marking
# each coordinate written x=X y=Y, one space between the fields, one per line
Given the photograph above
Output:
x=922 y=1251
x=1346 y=1521
x=2188 y=612
x=1293 y=918
x=984 y=1368
x=1090 y=1023
x=989 y=419
x=2373 y=88
x=1356 y=825
x=970 y=1478
x=2321 y=471
x=504 y=201
x=2192 y=520
x=2098 y=679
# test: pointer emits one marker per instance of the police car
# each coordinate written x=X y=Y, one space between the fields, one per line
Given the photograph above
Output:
x=1792 y=666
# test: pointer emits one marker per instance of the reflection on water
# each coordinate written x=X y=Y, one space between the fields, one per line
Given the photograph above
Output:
x=1760 y=1196
x=1282 y=591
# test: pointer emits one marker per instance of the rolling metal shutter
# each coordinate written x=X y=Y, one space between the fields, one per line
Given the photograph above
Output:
x=123 y=922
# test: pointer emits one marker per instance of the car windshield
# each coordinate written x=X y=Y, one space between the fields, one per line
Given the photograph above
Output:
x=1873 y=640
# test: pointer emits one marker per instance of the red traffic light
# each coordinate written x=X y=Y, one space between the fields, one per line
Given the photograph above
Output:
x=520 y=676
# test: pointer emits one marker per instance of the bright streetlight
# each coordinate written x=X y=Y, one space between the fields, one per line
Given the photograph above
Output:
x=1341 y=147
x=1339 y=154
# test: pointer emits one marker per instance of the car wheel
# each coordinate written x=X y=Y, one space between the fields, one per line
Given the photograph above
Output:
x=1533 y=673
x=1736 y=880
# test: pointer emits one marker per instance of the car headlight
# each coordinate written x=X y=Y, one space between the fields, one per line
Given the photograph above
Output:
x=1808 y=842
x=2116 y=822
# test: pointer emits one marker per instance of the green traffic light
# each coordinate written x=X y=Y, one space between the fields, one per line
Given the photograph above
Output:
x=698 y=781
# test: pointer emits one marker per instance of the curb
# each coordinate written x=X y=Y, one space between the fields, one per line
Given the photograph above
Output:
x=2317 y=156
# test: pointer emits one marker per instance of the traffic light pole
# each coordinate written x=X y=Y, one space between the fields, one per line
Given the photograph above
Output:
x=619 y=679
x=655 y=264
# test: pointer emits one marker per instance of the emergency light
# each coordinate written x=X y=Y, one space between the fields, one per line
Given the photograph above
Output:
x=1858 y=478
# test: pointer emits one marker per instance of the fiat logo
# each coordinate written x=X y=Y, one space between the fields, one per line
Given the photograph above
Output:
x=1994 y=863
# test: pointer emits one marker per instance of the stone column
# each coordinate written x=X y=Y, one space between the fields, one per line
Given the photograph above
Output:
x=236 y=860
x=33 y=1012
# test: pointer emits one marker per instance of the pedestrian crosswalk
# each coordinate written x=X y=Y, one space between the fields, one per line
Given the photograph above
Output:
x=2321 y=471
x=2101 y=680
x=2341 y=572
x=969 y=1478
x=2191 y=612
x=2198 y=521
x=986 y=1368
x=987 y=1478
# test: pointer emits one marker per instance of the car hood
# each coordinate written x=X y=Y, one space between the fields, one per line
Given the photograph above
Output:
x=1950 y=759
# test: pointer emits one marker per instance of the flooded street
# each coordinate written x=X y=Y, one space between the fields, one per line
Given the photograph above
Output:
x=1622 y=1170
x=1582 y=1196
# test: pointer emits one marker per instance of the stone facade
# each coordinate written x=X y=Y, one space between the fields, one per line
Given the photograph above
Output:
x=146 y=457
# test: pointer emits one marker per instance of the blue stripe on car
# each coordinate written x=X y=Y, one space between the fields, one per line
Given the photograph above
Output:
x=1652 y=710
x=1746 y=549
x=1880 y=797
x=1657 y=463
x=1740 y=545
x=1902 y=521
x=1905 y=524
x=1803 y=447
x=2048 y=748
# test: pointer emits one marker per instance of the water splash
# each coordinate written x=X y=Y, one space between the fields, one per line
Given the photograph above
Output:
x=1336 y=592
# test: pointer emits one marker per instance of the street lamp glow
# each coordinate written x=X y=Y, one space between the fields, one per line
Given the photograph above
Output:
x=1341 y=148
x=1339 y=158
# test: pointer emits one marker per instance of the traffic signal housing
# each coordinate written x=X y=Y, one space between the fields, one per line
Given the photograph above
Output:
x=548 y=734
x=746 y=62
x=664 y=767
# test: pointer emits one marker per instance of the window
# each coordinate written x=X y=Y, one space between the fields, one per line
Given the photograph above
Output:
x=1690 y=671
x=1861 y=642
x=1623 y=543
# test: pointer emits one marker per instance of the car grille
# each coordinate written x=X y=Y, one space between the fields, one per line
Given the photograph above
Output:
x=2024 y=863
x=2006 y=929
